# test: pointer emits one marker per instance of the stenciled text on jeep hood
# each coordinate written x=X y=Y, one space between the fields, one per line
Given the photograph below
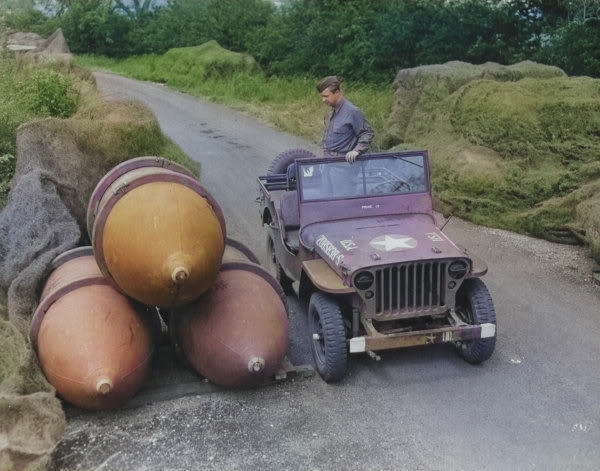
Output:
x=348 y=245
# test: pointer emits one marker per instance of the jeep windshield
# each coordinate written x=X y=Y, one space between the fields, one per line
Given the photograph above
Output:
x=372 y=175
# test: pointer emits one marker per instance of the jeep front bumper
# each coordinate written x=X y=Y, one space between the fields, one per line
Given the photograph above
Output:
x=375 y=340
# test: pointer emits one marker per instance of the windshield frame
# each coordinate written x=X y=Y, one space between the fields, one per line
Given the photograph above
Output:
x=371 y=175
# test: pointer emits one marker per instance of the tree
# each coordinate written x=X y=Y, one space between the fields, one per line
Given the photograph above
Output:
x=360 y=40
x=92 y=26
x=135 y=9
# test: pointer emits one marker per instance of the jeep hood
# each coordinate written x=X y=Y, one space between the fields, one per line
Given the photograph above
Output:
x=351 y=244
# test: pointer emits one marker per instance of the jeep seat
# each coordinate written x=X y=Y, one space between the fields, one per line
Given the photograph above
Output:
x=289 y=211
x=289 y=216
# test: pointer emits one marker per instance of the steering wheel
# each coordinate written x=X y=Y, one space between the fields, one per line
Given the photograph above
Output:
x=390 y=187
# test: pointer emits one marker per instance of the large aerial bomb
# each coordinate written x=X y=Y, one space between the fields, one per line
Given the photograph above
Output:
x=157 y=234
x=94 y=345
x=236 y=334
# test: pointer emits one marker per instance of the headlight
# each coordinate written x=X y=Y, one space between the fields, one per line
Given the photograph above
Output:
x=458 y=269
x=363 y=280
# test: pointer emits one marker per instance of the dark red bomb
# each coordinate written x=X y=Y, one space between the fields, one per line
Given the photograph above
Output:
x=236 y=334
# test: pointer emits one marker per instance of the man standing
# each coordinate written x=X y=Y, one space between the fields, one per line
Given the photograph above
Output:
x=347 y=132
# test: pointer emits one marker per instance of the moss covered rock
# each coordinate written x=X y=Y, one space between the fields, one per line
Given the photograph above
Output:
x=515 y=147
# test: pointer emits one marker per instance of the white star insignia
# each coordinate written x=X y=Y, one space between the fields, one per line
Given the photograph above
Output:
x=393 y=242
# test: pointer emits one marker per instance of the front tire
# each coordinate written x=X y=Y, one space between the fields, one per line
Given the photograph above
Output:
x=328 y=337
x=475 y=306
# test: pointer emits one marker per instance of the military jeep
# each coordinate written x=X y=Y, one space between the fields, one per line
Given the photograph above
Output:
x=361 y=245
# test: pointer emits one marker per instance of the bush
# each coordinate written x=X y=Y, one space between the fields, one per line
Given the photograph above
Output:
x=12 y=112
x=50 y=94
x=8 y=126
x=30 y=20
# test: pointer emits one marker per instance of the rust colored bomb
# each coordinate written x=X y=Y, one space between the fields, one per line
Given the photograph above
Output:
x=93 y=344
x=156 y=232
x=236 y=334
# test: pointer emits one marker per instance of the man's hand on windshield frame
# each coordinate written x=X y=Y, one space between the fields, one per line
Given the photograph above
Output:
x=351 y=156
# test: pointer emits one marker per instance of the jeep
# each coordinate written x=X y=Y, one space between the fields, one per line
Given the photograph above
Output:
x=362 y=247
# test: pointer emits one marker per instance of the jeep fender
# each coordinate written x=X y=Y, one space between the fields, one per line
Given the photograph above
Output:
x=478 y=266
x=324 y=278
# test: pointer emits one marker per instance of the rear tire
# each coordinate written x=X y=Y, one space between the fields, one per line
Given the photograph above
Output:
x=475 y=306
x=328 y=337
x=285 y=159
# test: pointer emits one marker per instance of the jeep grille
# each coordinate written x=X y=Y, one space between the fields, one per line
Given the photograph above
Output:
x=411 y=289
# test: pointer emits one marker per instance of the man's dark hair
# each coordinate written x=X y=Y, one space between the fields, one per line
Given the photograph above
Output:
x=332 y=82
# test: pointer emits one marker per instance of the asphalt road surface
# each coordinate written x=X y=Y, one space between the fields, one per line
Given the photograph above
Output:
x=535 y=405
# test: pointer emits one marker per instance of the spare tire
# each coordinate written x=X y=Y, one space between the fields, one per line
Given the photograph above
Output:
x=286 y=158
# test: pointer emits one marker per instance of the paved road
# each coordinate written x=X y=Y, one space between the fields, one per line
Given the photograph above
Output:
x=535 y=405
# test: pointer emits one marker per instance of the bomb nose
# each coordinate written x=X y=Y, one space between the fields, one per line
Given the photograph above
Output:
x=104 y=386
x=179 y=275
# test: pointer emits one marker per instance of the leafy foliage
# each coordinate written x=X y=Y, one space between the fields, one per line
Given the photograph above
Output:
x=572 y=48
x=49 y=93
x=30 y=20
x=14 y=111
x=92 y=25
x=359 y=40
